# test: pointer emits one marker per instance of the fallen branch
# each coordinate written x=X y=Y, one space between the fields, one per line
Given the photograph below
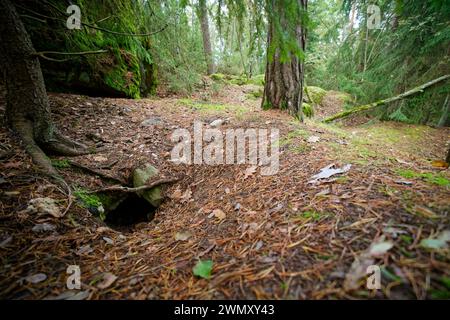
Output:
x=385 y=101
x=137 y=189
x=43 y=54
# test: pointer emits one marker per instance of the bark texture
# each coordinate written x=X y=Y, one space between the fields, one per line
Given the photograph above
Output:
x=284 y=79
x=27 y=108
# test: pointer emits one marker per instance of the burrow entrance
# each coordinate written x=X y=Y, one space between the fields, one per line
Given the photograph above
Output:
x=132 y=209
x=117 y=209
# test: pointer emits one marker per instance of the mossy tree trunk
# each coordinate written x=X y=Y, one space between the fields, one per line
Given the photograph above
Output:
x=27 y=107
x=284 y=76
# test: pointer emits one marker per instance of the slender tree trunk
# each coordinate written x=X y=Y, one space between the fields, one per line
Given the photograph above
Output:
x=283 y=87
x=244 y=67
x=352 y=19
x=27 y=108
x=445 y=111
x=447 y=159
x=203 y=17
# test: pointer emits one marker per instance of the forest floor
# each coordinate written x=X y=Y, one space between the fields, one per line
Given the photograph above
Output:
x=268 y=237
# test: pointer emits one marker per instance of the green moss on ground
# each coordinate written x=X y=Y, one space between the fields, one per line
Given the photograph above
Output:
x=255 y=94
x=238 y=80
x=203 y=106
x=61 y=163
x=429 y=177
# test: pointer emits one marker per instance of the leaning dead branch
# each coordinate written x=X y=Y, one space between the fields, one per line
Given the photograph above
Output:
x=385 y=101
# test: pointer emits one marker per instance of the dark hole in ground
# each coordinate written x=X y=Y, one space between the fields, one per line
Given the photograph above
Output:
x=132 y=210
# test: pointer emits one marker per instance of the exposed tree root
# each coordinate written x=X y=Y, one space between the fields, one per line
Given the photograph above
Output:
x=141 y=188
x=61 y=145
x=69 y=142
x=25 y=131
x=60 y=148
x=96 y=172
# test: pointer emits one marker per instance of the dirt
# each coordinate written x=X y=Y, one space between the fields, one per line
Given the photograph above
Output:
x=281 y=237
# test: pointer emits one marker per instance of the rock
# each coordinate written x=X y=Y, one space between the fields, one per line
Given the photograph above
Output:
x=151 y=122
x=70 y=295
x=36 y=278
x=313 y=139
x=183 y=235
x=216 y=123
x=44 y=206
x=42 y=227
x=140 y=178
x=217 y=76
x=316 y=94
x=84 y=250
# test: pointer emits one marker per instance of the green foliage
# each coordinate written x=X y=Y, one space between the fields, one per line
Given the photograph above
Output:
x=257 y=80
x=311 y=214
x=308 y=110
x=133 y=65
x=410 y=49
x=203 y=269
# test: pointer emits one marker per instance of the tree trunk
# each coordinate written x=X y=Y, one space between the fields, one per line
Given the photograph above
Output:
x=283 y=87
x=27 y=108
x=203 y=17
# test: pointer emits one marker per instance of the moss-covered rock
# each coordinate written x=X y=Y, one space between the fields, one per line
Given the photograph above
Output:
x=315 y=93
x=218 y=76
x=140 y=178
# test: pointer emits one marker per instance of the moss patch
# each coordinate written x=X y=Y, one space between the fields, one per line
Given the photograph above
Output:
x=238 y=80
x=430 y=177
x=212 y=107
x=61 y=163
x=255 y=94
